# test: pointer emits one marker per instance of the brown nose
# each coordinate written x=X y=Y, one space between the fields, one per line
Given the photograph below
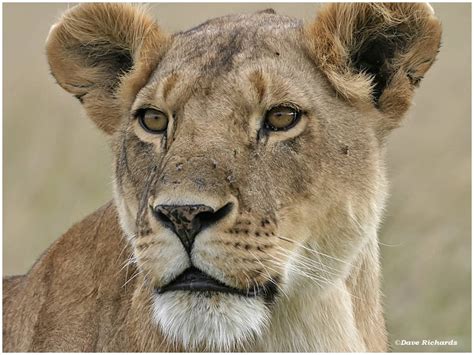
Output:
x=188 y=220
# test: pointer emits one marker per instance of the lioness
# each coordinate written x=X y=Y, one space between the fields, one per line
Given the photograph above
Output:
x=249 y=181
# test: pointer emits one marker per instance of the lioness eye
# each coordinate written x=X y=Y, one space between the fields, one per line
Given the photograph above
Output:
x=281 y=118
x=153 y=121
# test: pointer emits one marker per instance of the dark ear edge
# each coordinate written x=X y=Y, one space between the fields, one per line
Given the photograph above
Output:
x=373 y=52
x=95 y=47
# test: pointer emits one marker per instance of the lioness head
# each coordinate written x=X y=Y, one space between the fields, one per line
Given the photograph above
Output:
x=248 y=151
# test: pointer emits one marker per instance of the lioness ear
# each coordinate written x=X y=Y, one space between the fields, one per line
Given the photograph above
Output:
x=375 y=53
x=94 y=47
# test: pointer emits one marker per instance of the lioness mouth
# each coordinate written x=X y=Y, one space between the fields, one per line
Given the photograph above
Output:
x=193 y=279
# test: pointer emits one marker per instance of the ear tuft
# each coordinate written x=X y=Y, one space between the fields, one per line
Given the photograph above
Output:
x=371 y=52
x=94 y=46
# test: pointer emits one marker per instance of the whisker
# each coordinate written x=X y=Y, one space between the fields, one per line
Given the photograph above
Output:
x=123 y=249
x=390 y=245
x=310 y=262
x=247 y=279
x=144 y=280
x=313 y=250
x=317 y=278
x=297 y=270
x=138 y=272
x=270 y=279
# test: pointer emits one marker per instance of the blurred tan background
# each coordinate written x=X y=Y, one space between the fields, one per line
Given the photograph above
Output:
x=57 y=168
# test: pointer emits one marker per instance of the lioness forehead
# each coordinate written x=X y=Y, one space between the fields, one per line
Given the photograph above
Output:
x=264 y=20
x=216 y=46
x=221 y=56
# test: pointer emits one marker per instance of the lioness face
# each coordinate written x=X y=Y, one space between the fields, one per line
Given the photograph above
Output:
x=245 y=173
x=252 y=158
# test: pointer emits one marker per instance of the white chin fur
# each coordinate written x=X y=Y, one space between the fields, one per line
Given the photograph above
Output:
x=218 y=322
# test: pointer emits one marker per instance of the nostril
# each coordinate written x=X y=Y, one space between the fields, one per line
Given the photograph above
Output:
x=208 y=218
x=163 y=218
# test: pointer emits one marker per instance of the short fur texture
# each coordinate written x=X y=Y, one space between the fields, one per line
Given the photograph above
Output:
x=406 y=36
x=305 y=203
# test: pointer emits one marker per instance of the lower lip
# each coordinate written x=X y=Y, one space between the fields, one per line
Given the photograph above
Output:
x=196 y=281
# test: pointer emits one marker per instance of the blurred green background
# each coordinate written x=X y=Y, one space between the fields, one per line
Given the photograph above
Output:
x=57 y=167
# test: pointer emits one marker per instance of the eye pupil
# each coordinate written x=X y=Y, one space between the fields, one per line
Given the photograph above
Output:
x=153 y=121
x=281 y=118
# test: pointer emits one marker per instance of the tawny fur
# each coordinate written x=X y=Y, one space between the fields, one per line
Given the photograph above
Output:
x=306 y=202
x=341 y=29
x=82 y=48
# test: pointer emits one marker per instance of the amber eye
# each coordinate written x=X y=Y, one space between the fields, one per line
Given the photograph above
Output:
x=152 y=120
x=281 y=118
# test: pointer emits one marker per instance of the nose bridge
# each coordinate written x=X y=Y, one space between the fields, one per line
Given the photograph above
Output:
x=196 y=170
x=192 y=170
